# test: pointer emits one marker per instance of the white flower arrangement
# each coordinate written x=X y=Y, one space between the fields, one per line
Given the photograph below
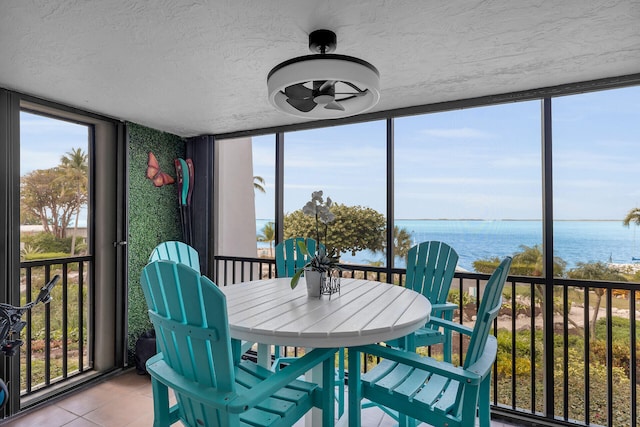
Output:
x=320 y=261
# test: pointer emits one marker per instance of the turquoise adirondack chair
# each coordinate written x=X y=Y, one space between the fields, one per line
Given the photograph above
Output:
x=289 y=259
x=430 y=269
x=428 y=390
x=178 y=252
x=184 y=254
x=211 y=387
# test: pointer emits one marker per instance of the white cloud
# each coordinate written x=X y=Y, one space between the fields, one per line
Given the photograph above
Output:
x=457 y=133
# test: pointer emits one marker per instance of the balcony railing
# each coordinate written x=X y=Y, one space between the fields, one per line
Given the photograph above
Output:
x=56 y=339
x=592 y=379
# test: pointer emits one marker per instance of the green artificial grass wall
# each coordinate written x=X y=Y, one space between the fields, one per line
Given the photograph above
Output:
x=154 y=214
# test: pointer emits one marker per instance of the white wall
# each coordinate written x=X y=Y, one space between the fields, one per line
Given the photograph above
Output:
x=235 y=225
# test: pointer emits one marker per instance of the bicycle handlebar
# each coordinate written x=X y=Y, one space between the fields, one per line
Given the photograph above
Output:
x=11 y=322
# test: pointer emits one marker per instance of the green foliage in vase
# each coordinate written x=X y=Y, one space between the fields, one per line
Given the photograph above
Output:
x=318 y=209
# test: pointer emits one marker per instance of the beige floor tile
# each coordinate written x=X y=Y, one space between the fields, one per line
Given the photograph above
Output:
x=143 y=421
x=81 y=422
x=127 y=401
x=50 y=416
x=89 y=400
x=122 y=411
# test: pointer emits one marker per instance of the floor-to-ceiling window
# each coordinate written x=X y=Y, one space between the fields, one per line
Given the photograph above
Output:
x=595 y=175
x=596 y=203
x=471 y=178
x=477 y=178
x=264 y=183
x=348 y=164
x=54 y=205
x=63 y=215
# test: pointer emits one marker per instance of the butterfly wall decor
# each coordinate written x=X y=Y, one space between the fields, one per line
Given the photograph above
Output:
x=155 y=174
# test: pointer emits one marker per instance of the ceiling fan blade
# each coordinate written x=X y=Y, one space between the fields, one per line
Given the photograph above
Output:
x=298 y=91
x=333 y=105
x=326 y=85
x=304 y=105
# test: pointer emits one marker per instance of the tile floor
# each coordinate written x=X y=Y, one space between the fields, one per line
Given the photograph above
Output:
x=126 y=400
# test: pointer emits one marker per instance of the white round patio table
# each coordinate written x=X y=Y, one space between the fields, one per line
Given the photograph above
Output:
x=269 y=312
x=364 y=312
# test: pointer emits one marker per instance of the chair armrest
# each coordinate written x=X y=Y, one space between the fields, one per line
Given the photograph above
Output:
x=447 y=306
x=421 y=362
x=448 y=324
x=483 y=365
x=280 y=379
x=234 y=403
x=158 y=369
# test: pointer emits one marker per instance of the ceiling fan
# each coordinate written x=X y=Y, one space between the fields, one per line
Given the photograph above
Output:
x=323 y=85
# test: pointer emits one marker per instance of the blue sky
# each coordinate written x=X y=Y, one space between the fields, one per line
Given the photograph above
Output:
x=481 y=163
x=44 y=141
x=475 y=163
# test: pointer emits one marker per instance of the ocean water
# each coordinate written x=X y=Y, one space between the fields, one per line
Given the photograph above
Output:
x=574 y=241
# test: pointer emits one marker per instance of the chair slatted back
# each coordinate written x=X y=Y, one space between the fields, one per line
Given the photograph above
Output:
x=289 y=257
x=178 y=252
x=430 y=269
x=189 y=314
x=488 y=311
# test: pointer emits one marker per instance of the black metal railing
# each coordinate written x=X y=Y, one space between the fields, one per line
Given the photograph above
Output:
x=596 y=352
x=56 y=337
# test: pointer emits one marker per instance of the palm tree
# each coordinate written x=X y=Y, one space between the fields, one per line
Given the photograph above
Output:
x=632 y=217
x=596 y=271
x=258 y=184
x=401 y=242
x=75 y=169
x=268 y=235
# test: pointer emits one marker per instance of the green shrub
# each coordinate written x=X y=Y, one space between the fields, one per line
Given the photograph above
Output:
x=523 y=343
x=620 y=329
x=454 y=297
x=45 y=255
x=505 y=366
x=47 y=242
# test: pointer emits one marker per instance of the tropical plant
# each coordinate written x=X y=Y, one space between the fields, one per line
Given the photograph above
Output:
x=268 y=235
x=402 y=242
x=47 y=242
x=258 y=184
x=53 y=200
x=596 y=271
x=28 y=250
x=633 y=216
x=74 y=166
x=527 y=262
x=355 y=228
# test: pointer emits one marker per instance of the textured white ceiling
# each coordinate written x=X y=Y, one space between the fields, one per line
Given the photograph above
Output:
x=200 y=67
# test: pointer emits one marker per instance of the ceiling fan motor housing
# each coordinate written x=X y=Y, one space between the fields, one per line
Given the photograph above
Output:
x=322 y=41
x=312 y=71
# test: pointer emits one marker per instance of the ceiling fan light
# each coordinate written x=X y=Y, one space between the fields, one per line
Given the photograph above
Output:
x=339 y=68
